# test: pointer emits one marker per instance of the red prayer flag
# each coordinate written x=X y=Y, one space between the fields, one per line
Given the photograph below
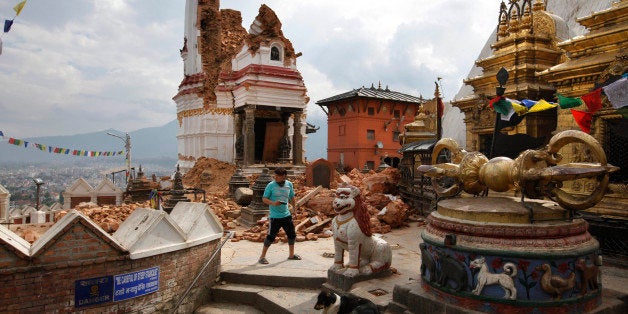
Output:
x=494 y=100
x=11 y=140
x=583 y=119
x=593 y=100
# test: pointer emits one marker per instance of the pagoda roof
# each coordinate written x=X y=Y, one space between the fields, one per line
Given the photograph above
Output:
x=372 y=92
x=418 y=146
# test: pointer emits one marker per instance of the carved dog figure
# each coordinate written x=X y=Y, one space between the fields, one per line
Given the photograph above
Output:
x=427 y=262
x=352 y=233
x=450 y=268
x=589 y=276
x=486 y=278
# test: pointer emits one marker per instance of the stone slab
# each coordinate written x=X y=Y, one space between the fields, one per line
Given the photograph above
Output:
x=499 y=209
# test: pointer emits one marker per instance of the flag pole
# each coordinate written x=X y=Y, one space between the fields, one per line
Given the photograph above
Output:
x=18 y=9
x=502 y=78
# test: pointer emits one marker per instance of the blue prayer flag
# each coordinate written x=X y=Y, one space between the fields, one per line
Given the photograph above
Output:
x=528 y=103
x=7 y=25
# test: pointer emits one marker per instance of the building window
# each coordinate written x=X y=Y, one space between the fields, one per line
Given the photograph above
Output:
x=395 y=136
x=370 y=165
x=341 y=130
x=370 y=134
x=371 y=111
x=275 y=53
x=396 y=114
x=342 y=111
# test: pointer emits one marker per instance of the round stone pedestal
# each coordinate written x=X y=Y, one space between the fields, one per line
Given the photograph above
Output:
x=485 y=255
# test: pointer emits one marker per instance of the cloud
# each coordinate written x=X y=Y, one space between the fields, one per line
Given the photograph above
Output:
x=86 y=65
x=108 y=67
x=404 y=44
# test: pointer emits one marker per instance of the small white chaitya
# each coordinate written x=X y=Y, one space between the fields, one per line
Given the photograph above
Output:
x=242 y=96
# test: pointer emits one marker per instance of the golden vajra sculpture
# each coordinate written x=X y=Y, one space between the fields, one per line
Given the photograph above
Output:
x=536 y=173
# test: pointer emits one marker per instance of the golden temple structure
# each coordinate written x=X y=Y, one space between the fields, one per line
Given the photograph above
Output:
x=526 y=43
x=596 y=58
x=425 y=125
x=544 y=58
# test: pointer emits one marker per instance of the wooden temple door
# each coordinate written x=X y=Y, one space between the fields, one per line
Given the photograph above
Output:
x=274 y=134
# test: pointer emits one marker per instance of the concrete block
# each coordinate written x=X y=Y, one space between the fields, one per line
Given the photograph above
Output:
x=197 y=221
x=149 y=232
x=243 y=196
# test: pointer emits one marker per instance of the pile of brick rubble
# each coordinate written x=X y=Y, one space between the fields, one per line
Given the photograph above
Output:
x=312 y=218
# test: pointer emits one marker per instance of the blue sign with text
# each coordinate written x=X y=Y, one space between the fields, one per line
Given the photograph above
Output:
x=135 y=284
x=93 y=291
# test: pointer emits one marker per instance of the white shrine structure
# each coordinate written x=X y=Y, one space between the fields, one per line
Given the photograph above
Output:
x=242 y=99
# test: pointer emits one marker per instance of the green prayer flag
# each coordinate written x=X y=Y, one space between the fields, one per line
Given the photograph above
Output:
x=623 y=111
x=569 y=102
x=502 y=106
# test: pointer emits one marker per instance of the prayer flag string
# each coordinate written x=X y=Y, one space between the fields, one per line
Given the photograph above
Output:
x=616 y=93
x=60 y=150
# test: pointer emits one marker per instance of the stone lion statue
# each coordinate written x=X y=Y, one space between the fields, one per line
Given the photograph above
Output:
x=352 y=233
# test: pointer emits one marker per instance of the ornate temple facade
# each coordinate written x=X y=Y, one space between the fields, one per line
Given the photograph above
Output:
x=242 y=98
x=525 y=43
x=426 y=124
x=597 y=58
x=561 y=47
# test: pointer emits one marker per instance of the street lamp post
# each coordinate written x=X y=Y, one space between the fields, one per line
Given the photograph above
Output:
x=38 y=183
x=127 y=146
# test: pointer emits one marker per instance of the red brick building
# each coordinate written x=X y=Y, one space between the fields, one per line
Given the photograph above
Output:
x=364 y=126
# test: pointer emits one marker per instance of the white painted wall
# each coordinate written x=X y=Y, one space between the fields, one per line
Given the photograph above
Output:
x=213 y=134
x=192 y=60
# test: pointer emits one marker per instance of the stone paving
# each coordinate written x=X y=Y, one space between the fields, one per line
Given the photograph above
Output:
x=242 y=256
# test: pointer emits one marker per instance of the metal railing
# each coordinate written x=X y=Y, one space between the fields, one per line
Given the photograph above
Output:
x=229 y=236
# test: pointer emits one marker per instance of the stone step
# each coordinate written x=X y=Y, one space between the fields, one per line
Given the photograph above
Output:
x=268 y=299
x=287 y=277
x=227 y=308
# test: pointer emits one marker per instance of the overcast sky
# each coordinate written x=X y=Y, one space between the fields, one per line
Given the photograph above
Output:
x=76 y=66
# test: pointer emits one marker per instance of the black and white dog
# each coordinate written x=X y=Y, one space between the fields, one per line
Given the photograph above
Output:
x=332 y=303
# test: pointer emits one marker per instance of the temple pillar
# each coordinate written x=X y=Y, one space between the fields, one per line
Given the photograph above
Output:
x=297 y=140
x=239 y=139
x=284 y=145
x=249 y=135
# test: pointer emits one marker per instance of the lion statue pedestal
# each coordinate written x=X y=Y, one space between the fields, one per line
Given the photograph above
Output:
x=368 y=256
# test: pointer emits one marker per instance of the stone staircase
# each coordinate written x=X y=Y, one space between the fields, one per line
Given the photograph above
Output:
x=242 y=292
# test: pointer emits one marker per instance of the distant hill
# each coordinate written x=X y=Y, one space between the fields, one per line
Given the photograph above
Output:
x=149 y=143
x=155 y=143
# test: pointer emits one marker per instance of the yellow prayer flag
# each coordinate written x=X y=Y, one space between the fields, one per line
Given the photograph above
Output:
x=18 y=7
x=519 y=109
x=541 y=105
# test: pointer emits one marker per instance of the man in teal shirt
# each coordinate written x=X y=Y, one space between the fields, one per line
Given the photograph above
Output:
x=277 y=195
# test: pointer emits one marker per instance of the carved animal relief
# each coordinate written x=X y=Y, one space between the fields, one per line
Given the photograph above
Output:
x=486 y=278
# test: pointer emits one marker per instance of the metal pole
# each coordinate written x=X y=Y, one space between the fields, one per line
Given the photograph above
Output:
x=127 y=145
x=497 y=117
x=229 y=236
x=38 y=186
